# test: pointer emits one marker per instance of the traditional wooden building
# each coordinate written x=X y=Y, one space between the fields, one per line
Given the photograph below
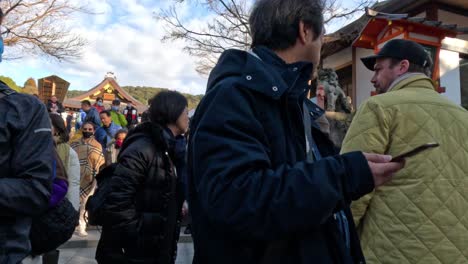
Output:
x=109 y=90
x=439 y=25
x=48 y=86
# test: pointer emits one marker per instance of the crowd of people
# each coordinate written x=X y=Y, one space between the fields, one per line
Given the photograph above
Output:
x=263 y=181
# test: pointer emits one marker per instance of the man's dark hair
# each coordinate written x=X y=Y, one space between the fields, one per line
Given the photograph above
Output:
x=1 y=16
x=106 y=112
x=413 y=68
x=166 y=107
x=86 y=102
x=275 y=23
x=99 y=99
x=59 y=126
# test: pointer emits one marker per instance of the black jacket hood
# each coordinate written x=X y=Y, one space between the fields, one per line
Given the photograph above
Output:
x=260 y=70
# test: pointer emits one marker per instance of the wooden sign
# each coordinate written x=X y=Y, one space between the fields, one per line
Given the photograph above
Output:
x=108 y=97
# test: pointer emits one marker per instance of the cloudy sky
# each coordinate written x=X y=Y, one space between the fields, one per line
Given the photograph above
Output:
x=123 y=37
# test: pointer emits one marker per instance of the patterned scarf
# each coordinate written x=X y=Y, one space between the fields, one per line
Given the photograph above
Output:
x=91 y=159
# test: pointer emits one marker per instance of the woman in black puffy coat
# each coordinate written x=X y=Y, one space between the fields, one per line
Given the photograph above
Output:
x=143 y=210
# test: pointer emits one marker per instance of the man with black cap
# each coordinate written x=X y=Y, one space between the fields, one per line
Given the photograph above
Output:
x=420 y=215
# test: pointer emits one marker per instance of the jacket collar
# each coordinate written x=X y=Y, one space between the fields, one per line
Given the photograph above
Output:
x=262 y=71
x=413 y=80
x=291 y=79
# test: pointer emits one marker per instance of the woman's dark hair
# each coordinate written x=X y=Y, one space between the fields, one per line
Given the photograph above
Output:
x=89 y=123
x=166 y=107
x=275 y=23
x=120 y=131
x=59 y=126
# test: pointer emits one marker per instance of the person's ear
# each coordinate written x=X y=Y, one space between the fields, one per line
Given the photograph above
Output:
x=404 y=66
x=304 y=32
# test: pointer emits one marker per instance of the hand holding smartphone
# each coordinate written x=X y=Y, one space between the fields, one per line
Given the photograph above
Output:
x=414 y=151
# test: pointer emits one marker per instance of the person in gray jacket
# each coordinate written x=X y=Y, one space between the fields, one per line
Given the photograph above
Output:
x=26 y=169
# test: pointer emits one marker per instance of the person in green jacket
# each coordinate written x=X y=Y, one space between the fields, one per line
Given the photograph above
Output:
x=117 y=117
x=420 y=216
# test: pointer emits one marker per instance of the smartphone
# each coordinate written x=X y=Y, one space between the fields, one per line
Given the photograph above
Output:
x=414 y=151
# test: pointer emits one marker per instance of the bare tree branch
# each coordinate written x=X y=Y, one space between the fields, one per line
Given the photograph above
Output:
x=229 y=27
x=38 y=27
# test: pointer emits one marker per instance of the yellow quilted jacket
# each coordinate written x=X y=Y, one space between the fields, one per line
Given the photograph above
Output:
x=421 y=216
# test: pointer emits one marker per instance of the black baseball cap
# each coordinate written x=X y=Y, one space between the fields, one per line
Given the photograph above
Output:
x=400 y=49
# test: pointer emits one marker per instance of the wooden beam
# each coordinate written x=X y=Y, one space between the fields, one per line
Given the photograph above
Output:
x=453 y=9
x=432 y=11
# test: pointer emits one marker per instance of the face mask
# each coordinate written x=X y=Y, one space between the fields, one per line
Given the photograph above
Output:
x=87 y=134
x=1 y=47
x=115 y=108
x=56 y=139
x=99 y=103
x=118 y=143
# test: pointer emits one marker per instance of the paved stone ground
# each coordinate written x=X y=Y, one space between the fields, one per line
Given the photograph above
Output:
x=82 y=250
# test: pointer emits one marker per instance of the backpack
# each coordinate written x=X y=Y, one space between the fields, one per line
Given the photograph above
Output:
x=95 y=204
x=57 y=224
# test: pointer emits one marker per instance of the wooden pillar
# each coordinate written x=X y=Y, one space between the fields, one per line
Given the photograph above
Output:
x=432 y=12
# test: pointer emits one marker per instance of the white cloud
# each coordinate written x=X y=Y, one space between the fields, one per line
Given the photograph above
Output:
x=124 y=37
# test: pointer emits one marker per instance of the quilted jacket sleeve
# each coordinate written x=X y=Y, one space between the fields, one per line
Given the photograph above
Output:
x=369 y=132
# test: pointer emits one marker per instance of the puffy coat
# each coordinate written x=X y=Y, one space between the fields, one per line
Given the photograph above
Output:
x=420 y=216
x=26 y=170
x=118 y=118
x=104 y=135
x=142 y=210
x=253 y=196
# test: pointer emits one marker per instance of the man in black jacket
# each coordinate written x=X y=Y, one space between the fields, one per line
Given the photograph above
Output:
x=54 y=106
x=265 y=184
x=26 y=168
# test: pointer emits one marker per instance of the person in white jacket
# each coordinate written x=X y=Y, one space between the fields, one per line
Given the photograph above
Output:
x=69 y=158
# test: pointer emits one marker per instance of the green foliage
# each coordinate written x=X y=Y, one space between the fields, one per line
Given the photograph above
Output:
x=10 y=83
x=143 y=93
x=74 y=93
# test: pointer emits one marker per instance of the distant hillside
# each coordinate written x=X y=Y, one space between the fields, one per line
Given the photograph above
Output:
x=142 y=94
x=74 y=93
